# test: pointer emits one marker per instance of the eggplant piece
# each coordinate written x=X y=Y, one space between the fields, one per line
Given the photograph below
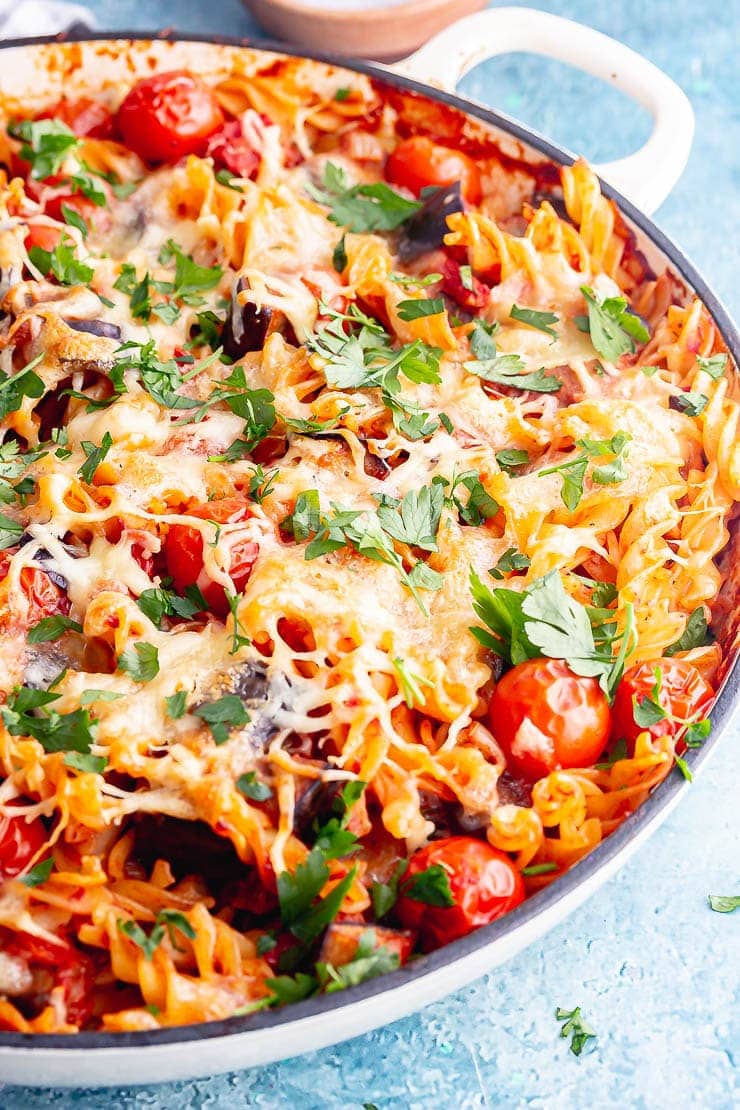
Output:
x=246 y=325
x=375 y=466
x=555 y=199
x=262 y=697
x=426 y=229
x=101 y=328
x=314 y=803
x=342 y=938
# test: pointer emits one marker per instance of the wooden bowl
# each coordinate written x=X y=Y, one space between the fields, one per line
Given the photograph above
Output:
x=382 y=33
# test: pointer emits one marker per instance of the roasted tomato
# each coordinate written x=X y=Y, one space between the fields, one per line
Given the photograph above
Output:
x=418 y=162
x=483 y=882
x=546 y=718
x=20 y=840
x=184 y=553
x=40 y=235
x=45 y=597
x=167 y=116
x=473 y=298
x=683 y=693
x=83 y=116
x=78 y=202
x=72 y=970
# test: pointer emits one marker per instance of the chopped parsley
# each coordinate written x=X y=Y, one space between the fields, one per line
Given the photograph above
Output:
x=695 y=634
x=691 y=403
x=385 y=895
x=724 y=903
x=409 y=683
x=10 y=531
x=62 y=263
x=38 y=874
x=94 y=455
x=511 y=459
x=574 y=1026
x=158 y=602
x=431 y=886
x=46 y=144
x=359 y=208
x=542 y=321
x=166 y=922
x=715 y=365
x=510 y=562
x=14 y=387
x=540 y=868
x=86 y=762
x=25 y=714
x=613 y=327
x=140 y=661
x=176 y=704
x=253 y=788
x=368 y=962
x=417 y=309
x=53 y=628
x=573 y=470
x=222 y=716
x=190 y=279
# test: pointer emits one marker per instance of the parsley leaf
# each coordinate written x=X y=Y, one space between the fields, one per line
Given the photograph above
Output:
x=574 y=1026
x=94 y=456
x=62 y=263
x=431 y=886
x=25 y=714
x=543 y=321
x=573 y=470
x=10 y=531
x=138 y=292
x=374 y=207
x=73 y=218
x=715 y=365
x=157 y=603
x=512 y=458
x=288 y=988
x=86 y=762
x=691 y=403
x=415 y=310
x=507 y=370
x=694 y=635
x=147 y=944
x=174 y=921
x=223 y=715
x=46 y=144
x=13 y=388
x=38 y=874
x=480 y=506
x=297 y=893
x=724 y=903
x=140 y=660
x=511 y=560
x=252 y=787
x=416 y=519
x=190 y=278
x=385 y=895
x=49 y=629
x=612 y=325
x=176 y=704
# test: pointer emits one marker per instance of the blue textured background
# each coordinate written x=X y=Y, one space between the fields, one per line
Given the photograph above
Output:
x=655 y=971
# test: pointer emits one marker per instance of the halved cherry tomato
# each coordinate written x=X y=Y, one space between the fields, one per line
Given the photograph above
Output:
x=184 y=552
x=20 y=840
x=418 y=162
x=45 y=597
x=167 y=116
x=483 y=881
x=228 y=147
x=72 y=970
x=452 y=284
x=83 y=116
x=40 y=235
x=546 y=718
x=683 y=693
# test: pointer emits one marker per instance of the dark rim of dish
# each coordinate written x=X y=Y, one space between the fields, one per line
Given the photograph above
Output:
x=659 y=801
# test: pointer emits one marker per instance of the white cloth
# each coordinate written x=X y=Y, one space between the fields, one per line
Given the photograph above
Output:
x=40 y=17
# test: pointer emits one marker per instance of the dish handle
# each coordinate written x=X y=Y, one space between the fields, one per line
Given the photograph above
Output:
x=645 y=177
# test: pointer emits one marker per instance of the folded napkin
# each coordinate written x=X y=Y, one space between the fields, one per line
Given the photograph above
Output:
x=41 y=17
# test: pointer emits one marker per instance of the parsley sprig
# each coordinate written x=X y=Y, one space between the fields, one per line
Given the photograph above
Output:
x=614 y=328
x=573 y=470
x=544 y=620
x=374 y=207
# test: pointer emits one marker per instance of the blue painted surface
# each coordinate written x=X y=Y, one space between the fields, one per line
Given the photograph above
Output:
x=655 y=971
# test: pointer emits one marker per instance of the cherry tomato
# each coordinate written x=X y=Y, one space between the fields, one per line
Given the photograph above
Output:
x=78 y=202
x=483 y=881
x=20 y=840
x=83 y=116
x=418 y=162
x=546 y=718
x=683 y=693
x=167 y=116
x=45 y=597
x=39 y=235
x=184 y=553
x=228 y=147
x=73 y=971
x=452 y=284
